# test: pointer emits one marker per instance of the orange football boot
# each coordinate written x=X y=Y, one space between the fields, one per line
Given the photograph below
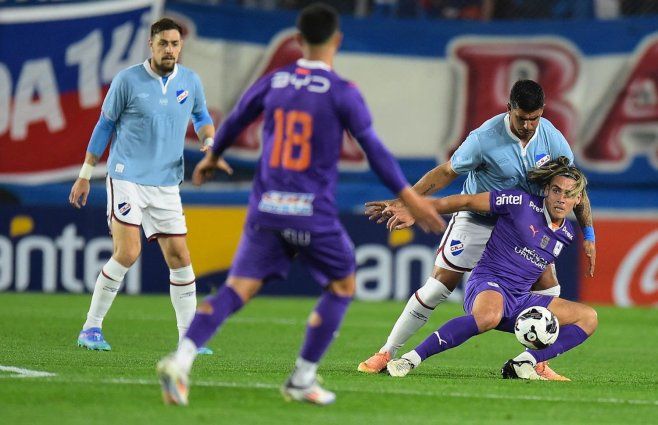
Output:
x=375 y=364
x=549 y=374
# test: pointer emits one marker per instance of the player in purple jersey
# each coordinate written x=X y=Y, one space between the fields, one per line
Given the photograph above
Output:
x=530 y=233
x=292 y=209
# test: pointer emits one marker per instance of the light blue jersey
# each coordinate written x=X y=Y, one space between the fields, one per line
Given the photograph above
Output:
x=150 y=114
x=494 y=159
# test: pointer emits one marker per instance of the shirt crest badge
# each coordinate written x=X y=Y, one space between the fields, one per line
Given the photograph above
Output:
x=181 y=96
x=558 y=248
x=541 y=159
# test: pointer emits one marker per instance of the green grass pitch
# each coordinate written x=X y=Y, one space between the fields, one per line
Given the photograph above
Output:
x=615 y=373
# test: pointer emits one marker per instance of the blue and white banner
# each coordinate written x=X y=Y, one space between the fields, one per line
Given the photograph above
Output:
x=56 y=64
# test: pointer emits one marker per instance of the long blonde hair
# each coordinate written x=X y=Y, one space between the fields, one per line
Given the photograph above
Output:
x=559 y=167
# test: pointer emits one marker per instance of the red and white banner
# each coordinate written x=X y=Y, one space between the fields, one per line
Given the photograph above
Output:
x=627 y=270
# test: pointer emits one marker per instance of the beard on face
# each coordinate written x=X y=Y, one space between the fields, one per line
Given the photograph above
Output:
x=523 y=133
x=166 y=66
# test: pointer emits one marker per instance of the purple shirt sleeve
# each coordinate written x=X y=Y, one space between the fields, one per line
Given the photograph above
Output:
x=503 y=202
x=382 y=161
x=247 y=110
x=356 y=118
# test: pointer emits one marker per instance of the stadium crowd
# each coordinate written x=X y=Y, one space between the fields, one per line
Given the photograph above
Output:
x=482 y=10
x=467 y=9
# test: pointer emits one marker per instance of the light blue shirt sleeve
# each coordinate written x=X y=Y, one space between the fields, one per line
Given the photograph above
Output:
x=468 y=156
x=200 y=115
x=563 y=148
x=113 y=106
x=557 y=143
x=116 y=99
x=101 y=136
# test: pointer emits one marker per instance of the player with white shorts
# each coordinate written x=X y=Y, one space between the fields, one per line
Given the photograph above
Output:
x=157 y=209
x=145 y=114
x=495 y=156
x=463 y=243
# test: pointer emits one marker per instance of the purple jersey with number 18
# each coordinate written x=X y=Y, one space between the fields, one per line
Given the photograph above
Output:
x=306 y=108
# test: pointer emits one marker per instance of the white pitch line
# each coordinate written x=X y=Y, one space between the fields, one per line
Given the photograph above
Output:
x=25 y=373
x=380 y=391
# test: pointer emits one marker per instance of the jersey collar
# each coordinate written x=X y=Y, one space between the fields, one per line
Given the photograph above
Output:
x=305 y=63
x=514 y=137
x=549 y=222
x=163 y=86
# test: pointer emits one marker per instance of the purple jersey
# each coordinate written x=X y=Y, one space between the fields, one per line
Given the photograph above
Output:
x=306 y=108
x=523 y=242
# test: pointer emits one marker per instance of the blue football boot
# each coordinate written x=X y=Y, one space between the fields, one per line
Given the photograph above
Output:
x=205 y=351
x=93 y=339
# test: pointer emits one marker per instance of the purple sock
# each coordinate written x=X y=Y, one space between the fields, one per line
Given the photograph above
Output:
x=206 y=321
x=570 y=336
x=453 y=333
x=331 y=309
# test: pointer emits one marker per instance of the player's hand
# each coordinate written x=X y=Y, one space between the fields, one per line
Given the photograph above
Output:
x=423 y=211
x=375 y=209
x=590 y=252
x=79 y=193
x=400 y=217
x=221 y=164
x=205 y=169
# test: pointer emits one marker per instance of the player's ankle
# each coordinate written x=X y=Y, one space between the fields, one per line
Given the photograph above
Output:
x=413 y=357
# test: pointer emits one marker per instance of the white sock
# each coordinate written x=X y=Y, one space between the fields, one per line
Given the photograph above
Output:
x=415 y=314
x=185 y=354
x=105 y=291
x=413 y=357
x=553 y=291
x=525 y=356
x=182 y=291
x=304 y=374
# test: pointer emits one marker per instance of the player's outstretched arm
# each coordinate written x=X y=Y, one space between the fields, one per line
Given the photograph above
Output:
x=583 y=212
x=433 y=181
x=81 y=187
x=401 y=218
x=478 y=202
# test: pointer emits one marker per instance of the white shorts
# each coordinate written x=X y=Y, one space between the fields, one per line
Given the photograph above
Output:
x=463 y=243
x=158 y=209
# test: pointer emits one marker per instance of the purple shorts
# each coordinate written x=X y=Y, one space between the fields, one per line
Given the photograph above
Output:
x=513 y=304
x=265 y=253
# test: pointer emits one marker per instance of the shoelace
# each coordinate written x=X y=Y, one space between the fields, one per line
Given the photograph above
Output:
x=94 y=336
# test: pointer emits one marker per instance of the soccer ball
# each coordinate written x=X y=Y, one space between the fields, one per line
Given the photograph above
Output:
x=536 y=328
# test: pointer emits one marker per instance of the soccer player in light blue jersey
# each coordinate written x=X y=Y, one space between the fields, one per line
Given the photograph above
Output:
x=145 y=113
x=529 y=235
x=495 y=156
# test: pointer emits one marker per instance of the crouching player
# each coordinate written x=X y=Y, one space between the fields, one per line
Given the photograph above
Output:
x=530 y=233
